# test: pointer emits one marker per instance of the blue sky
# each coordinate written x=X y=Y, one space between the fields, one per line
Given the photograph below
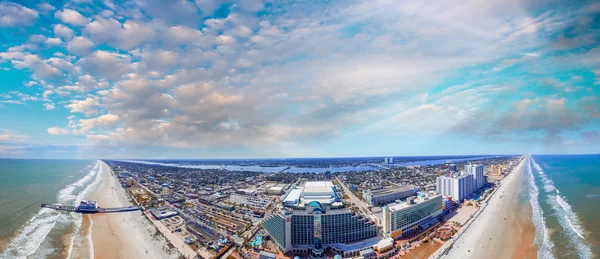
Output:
x=229 y=79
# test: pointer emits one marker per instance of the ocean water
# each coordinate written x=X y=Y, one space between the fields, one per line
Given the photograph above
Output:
x=26 y=230
x=565 y=198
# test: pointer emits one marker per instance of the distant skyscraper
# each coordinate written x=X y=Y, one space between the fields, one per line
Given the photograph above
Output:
x=386 y=160
x=391 y=160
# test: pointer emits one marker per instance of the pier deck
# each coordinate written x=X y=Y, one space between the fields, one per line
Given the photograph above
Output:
x=98 y=210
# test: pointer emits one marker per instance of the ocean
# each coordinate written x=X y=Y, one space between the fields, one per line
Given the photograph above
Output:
x=26 y=230
x=565 y=198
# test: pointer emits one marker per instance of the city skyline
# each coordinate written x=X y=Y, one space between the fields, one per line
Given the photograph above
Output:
x=264 y=79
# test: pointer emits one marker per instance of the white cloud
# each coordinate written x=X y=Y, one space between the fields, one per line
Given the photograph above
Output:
x=72 y=17
x=44 y=7
x=39 y=67
x=89 y=106
x=53 y=42
x=63 y=31
x=58 y=131
x=49 y=106
x=80 y=45
x=12 y=15
x=9 y=136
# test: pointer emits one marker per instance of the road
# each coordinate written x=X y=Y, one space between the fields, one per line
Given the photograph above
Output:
x=353 y=199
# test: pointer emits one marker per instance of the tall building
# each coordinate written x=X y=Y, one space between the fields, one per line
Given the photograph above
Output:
x=311 y=230
x=401 y=219
x=386 y=160
x=477 y=172
x=378 y=197
x=459 y=187
x=313 y=219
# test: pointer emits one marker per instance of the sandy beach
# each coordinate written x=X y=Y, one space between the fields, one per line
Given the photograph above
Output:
x=504 y=228
x=121 y=235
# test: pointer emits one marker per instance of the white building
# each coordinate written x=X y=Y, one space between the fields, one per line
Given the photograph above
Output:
x=459 y=187
x=322 y=192
x=477 y=172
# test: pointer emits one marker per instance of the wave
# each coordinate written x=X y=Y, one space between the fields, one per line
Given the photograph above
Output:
x=66 y=195
x=33 y=234
x=571 y=216
x=537 y=167
x=570 y=224
x=542 y=239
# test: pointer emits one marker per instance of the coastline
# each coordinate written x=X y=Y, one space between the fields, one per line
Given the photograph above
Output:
x=504 y=228
x=120 y=235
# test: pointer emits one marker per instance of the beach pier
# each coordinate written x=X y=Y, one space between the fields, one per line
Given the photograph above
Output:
x=88 y=207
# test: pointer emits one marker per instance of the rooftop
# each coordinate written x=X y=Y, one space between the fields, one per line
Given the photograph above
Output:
x=404 y=205
x=389 y=190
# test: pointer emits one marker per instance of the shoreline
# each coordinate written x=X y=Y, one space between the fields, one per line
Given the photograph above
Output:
x=502 y=228
x=123 y=234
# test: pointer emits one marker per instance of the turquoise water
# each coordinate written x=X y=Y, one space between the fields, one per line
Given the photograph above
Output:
x=567 y=190
x=26 y=230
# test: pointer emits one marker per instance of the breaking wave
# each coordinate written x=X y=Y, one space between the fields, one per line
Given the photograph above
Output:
x=542 y=239
x=570 y=223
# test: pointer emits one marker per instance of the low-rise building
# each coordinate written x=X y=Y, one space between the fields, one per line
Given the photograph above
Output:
x=378 y=197
x=162 y=213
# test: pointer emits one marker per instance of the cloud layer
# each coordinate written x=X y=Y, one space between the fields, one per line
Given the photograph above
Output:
x=261 y=78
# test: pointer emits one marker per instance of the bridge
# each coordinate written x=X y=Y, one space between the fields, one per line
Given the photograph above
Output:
x=80 y=209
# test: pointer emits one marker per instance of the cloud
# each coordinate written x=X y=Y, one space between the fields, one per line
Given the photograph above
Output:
x=12 y=15
x=111 y=65
x=44 y=7
x=63 y=31
x=89 y=106
x=49 y=106
x=80 y=45
x=71 y=17
x=58 y=131
x=38 y=66
x=53 y=42
x=148 y=74
x=9 y=136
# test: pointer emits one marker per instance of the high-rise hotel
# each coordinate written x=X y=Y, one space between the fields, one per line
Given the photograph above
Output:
x=461 y=186
x=417 y=213
x=309 y=224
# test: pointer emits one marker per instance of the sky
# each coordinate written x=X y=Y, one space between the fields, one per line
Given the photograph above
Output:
x=253 y=78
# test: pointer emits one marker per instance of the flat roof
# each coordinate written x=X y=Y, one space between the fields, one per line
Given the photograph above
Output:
x=293 y=195
x=388 y=190
x=318 y=183
x=403 y=205
x=367 y=243
x=318 y=189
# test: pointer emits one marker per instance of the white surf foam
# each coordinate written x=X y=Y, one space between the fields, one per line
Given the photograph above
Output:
x=570 y=224
x=570 y=216
x=66 y=195
x=32 y=235
x=542 y=240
